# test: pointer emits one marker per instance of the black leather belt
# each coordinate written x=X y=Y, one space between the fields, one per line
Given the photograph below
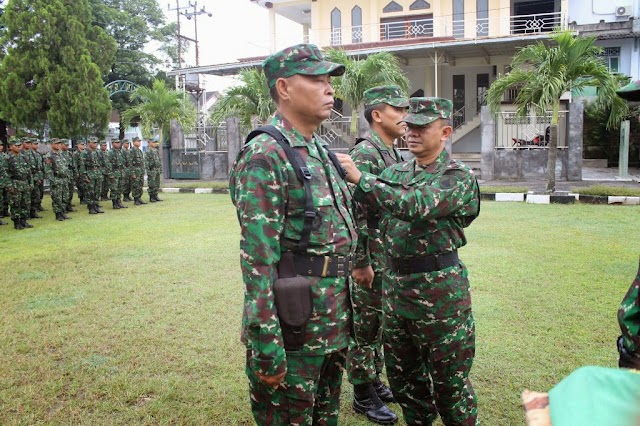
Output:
x=322 y=266
x=427 y=263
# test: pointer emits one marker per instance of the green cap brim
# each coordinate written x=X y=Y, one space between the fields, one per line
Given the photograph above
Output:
x=322 y=68
x=418 y=119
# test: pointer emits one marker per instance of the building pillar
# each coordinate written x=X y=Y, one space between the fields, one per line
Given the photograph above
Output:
x=575 y=123
x=272 y=30
x=488 y=137
x=234 y=141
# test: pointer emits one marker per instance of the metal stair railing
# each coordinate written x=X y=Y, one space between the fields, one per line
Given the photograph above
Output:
x=336 y=131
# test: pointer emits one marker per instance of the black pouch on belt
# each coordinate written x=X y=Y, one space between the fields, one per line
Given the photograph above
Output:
x=294 y=303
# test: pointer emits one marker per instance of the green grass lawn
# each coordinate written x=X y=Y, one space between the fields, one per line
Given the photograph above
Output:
x=133 y=316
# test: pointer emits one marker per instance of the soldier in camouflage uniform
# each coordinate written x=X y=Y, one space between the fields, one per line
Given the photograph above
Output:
x=115 y=159
x=127 y=174
x=75 y=162
x=27 y=153
x=72 y=159
x=57 y=173
x=105 y=167
x=153 y=164
x=629 y=320
x=136 y=171
x=384 y=106
x=38 y=191
x=90 y=173
x=302 y=386
x=4 y=182
x=19 y=188
x=428 y=322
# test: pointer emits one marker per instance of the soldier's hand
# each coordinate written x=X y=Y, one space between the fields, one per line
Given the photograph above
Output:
x=363 y=276
x=353 y=174
x=273 y=381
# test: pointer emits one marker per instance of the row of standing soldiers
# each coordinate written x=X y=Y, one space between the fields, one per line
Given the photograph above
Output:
x=96 y=173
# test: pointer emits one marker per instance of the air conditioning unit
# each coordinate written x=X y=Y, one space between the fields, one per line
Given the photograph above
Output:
x=623 y=10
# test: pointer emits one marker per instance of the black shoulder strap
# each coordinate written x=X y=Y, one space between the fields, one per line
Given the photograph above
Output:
x=303 y=174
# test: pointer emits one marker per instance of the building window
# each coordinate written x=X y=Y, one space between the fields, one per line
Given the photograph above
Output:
x=403 y=27
x=392 y=7
x=458 y=18
x=356 y=25
x=419 y=4
x=611 y=57
x=482 y=15
x=336 y=26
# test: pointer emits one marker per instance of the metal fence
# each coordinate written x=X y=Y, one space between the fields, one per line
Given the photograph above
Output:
x=529 y=132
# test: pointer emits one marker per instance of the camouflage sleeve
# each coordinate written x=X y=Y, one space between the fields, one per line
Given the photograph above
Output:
x=629 y=316
x=454 y=193
x=365 y=162
x=48 y=169
x=257 y=191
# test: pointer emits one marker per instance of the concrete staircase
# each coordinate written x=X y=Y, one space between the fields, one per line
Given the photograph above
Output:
x=466 y=127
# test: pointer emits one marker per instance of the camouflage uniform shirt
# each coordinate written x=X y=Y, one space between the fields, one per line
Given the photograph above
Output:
x=270 y=204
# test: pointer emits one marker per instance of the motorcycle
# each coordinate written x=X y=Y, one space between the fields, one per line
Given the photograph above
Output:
x=537 y=141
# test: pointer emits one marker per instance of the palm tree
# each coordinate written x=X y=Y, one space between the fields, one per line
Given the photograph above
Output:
x=248 y=101
x=543 y=73
x=360 y=75
x=157 y=107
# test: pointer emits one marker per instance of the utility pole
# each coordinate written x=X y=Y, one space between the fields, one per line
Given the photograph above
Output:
x=194 y=14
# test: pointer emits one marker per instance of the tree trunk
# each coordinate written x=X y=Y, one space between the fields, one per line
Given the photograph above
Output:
x=3 y=135
x=121 y=129
x=553 y=155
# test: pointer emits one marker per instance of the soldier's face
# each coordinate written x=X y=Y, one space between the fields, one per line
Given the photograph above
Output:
x=81 y=147
x=426 y=141
x=310 y=96
x=390 y=117
x=103 y=147
x=136 y=144
x=15 y=148
x=92 y=146
x=116 y=145
x=34 y=146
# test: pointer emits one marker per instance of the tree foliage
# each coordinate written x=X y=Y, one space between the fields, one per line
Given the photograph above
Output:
x=158 y=106
x=53 y=67
x=544 y=73
x=362 y=74
x=248 y=101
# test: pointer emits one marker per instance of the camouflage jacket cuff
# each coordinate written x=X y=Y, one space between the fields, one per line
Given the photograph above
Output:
x=365 y=185
x=269 y=366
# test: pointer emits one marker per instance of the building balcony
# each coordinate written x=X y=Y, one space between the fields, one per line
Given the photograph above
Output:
x=410 y=30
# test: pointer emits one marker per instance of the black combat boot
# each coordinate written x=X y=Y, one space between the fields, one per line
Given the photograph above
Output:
x=152 y=199
x=114 y=204
x=34 y=215
x=2 y=223
x=97 y=208
x=65 y=216
x=59 y=217
x=40 y=208
x=367 y=402
x=383 y=391
x=126 y=198
x=155 y=197
x=17 y=224
x=122 y=206
x=71 y=210
x=26 y=224
x=92 y=209
x=82 y=201
x=137 y=201
x=104 y=198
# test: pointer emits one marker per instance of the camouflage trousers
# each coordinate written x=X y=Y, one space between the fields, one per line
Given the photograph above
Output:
x=36 y=193
x=80 y=184
x=92 y=188
x=365 y=360
x=137 y=181
x=59 y=194
x=309 y=394
x=19 y=199
x=153 y=181
x=127 y=181
x=115 y=185
x=428 y=363
x=3 y=200
x=104 y=190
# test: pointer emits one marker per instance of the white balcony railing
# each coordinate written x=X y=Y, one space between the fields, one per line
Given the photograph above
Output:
x=440 y=27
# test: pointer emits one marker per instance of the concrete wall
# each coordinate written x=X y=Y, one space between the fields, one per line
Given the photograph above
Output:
x=214 y=166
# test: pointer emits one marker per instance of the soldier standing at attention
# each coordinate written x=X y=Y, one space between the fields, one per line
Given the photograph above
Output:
x=4 y=183
x=126 y=173
x=72 y=173
x=90 y=172
x=154 y=169
x=38 y=177
x=57 y=173
x=28 y=155
x=105 y=168
x=385 y=106
x=19 y=189
x=75 y=161
x=428 y=324
x=288 y=365
x=136 y=164
x=114 y=158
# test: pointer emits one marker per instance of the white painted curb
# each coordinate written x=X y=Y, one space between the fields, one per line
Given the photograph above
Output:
x=506 y=196
x=171 y=190
x=204 y=190
x=538 y=199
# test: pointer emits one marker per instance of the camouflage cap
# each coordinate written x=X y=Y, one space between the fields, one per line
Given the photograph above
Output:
x=135 y=139
x=25 y=139
x=390 y=95
x=65 y=142
x=125 y=140
x=14 y=141
x=92 y=139
x=54 y=140
x=305 y=59
x=79 y=142
x=103 y=143
x=423 y=111
x=35 y=140
x=630 y=92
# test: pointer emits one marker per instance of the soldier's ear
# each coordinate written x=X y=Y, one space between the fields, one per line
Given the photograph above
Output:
x=282 y=89
x=376 y=115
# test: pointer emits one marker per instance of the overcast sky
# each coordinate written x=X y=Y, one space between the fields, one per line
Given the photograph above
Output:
x=236 y=29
